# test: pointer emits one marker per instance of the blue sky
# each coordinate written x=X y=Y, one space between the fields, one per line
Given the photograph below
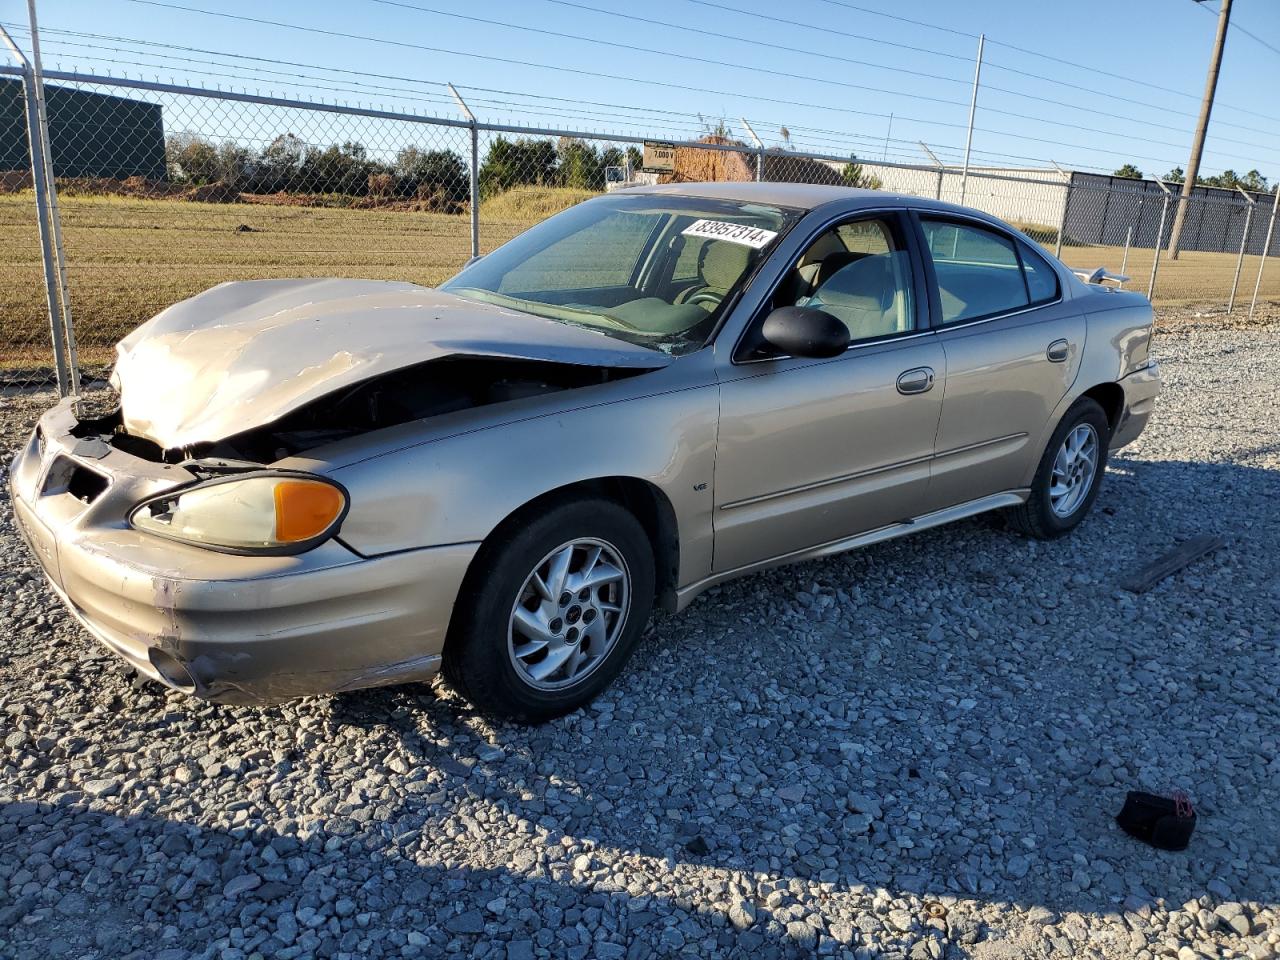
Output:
x=831 y=71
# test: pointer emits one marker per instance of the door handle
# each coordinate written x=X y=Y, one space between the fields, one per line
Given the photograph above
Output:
x=1058 y=351
x=916 y=380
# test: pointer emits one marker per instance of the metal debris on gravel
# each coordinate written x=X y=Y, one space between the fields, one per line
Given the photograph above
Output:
x=911 y=751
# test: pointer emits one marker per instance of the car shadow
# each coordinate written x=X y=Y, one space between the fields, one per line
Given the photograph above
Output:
x=950 y=717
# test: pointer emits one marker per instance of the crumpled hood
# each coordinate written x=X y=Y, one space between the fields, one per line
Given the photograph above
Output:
x=244 y=354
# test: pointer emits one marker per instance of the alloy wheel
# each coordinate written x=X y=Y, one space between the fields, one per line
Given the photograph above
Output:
x=569 y=613
x=1073 y=470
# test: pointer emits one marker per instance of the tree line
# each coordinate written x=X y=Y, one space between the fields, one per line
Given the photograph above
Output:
x=289 y=164
x=1253 y=181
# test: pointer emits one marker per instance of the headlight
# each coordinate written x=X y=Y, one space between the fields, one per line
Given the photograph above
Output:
x=259 y=513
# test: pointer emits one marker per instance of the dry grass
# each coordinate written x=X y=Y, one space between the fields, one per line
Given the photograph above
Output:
x=531 y=204
x=129 y=257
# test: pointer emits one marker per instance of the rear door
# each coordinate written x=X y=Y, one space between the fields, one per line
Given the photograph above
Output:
x=1012 y=346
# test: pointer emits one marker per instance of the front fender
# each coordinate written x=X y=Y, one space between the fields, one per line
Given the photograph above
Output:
x=458 y=488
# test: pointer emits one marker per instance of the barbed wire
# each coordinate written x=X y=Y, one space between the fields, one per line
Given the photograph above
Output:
x=597 y=75
x=841 y=141
x=1075 y=65
x=792 y=75
x=810 y=53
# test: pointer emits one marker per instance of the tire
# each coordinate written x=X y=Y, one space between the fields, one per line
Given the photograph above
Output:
x=504 y=661
x=1046 y=516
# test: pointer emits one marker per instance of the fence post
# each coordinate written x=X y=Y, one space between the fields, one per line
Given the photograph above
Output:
x=1244 y=241
x=937 y=187
x=1124 y=261
x=35 y=145
x=48 y=257
x=973 y=108
x=759 y=149
x=1066 y=203
x=475 y=171
x=1155 y=260
x=1266 y=250
x=51 y=209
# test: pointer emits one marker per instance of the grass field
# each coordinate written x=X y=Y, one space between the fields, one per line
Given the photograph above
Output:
x=129 y=258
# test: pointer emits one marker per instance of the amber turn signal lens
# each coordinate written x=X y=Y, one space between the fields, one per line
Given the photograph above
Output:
x=305 y=509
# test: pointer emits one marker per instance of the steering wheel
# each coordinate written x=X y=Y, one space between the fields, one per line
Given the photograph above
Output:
x=709 y=296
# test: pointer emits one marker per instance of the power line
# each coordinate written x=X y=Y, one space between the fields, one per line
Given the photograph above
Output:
x=797 y=76
x=1238 y=28
x=679 y=56
x=964 y=81
x=840 y=139
x=1111 y=96
x=396 y=92
x=1075 y=65
x=194 y=67
x=592 y=74
x=650 y=112
x=596 y=76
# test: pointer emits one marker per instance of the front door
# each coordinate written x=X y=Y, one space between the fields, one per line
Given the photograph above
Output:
x=814 y=451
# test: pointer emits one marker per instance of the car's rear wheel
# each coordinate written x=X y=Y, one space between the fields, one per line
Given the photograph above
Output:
x=551 y=610
x=1068 y=476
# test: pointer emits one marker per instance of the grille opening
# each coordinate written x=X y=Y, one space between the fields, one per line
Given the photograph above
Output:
x=110 y=427
x=86 y=485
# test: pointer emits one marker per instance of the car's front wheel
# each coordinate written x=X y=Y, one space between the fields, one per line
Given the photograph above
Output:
x=1069 y=474
x=551 y=611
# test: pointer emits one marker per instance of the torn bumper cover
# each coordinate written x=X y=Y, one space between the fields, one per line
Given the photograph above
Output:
x=1141 y=388
x=237 y=629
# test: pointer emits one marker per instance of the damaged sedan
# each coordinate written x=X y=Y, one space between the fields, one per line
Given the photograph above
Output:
x=311 y=486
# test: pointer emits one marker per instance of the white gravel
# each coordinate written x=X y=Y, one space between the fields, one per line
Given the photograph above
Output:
x=912 y=751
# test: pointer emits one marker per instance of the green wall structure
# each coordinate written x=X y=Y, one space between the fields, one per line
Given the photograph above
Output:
x=92 y=134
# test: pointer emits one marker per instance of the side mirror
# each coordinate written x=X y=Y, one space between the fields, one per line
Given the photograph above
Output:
x=805 y=332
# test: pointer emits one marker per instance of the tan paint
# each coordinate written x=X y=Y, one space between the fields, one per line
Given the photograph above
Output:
x=810 y=452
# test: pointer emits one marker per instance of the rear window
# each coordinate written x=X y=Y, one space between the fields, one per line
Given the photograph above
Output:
x=1042 y=281
x=978 y=271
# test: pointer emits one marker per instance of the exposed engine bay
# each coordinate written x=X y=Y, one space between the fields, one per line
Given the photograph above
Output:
x=412 y=393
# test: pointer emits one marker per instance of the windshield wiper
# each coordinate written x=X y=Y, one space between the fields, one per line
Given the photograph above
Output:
x=548 y=312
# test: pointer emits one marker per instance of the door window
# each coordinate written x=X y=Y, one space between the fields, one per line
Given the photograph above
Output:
x=860 y=273
x=978 y=270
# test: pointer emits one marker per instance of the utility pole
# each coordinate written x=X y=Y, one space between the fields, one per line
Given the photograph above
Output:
x=1202 y=127
x=973 y=108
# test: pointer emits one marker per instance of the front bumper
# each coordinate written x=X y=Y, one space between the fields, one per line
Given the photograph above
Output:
x=1140 y=391
x=237 y=629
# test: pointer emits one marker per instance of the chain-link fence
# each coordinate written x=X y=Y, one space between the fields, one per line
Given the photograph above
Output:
x=165 y=191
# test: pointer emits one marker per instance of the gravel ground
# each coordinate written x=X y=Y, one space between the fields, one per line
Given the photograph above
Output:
x=912 y=751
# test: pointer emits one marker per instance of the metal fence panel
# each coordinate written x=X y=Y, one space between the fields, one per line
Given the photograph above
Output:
x=247 y=190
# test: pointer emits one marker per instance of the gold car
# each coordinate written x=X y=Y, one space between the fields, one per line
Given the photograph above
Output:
x=317 y=485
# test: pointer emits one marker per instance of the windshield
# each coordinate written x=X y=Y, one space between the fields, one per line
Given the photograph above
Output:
x=653 y=270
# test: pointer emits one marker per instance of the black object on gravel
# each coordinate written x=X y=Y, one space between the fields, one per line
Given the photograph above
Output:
x=1164 y=822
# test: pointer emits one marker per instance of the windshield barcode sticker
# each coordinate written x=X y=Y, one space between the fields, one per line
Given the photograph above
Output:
x=743 y=233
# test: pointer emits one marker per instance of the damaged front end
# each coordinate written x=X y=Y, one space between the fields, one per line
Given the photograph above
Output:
x=417 y=392
x=341 y=355
x=194 y=527
x=239 y=626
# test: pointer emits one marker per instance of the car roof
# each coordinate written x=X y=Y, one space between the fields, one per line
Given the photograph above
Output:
x=810 y=196
x=805 y=196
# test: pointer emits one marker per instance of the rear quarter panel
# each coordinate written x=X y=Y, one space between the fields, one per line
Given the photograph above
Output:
x=1118 y=342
